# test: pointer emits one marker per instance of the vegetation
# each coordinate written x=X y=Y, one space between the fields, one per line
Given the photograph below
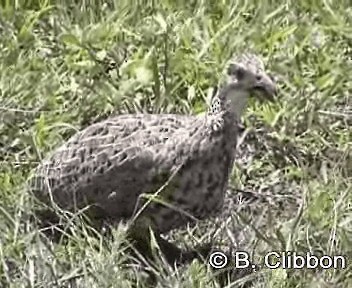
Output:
x=66 y=64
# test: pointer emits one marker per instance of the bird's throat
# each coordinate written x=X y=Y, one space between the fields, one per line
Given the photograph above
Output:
x=228 y=106
x=234 y=98
x=237 y=102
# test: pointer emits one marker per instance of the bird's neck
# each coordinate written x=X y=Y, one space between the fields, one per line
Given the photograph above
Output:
x=230 y=102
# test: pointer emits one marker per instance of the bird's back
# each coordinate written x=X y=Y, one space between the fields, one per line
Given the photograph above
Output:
x=113 y=162
x=123 y=145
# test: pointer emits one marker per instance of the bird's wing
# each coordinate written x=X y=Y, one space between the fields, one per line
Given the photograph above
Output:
x=120 y=155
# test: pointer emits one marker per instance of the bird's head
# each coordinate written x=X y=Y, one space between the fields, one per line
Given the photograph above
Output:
x=245 y=76
x=248 y=70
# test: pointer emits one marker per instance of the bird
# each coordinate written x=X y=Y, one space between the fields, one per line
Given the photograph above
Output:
x=158 y=171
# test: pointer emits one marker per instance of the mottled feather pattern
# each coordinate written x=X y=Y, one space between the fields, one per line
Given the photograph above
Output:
x=111 y=164
x=87 y=164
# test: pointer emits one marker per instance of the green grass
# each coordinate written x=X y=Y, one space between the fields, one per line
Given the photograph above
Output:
x=55 y=79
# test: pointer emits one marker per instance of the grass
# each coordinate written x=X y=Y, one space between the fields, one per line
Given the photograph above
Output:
x=66 y=65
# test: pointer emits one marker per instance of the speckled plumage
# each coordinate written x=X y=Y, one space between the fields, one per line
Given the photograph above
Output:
x=112 y=163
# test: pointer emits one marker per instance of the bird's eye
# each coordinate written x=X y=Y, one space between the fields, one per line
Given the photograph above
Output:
x=258 y=77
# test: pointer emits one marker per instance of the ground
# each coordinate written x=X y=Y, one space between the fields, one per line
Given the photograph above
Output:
x=66 y=65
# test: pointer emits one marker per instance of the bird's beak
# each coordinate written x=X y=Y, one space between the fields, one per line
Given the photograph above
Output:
x=265 y=89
